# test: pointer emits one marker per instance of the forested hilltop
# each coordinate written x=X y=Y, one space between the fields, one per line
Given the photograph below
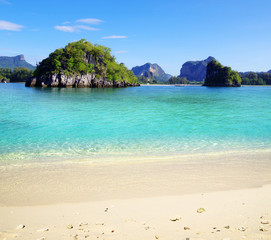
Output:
x=82 y=64
x=219 y=76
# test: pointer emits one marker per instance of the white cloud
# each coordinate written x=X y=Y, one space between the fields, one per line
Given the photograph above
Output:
x=75 y=28
x=114 y=37
x=120 y=52
x=90 y=21
x=86 y=28
x=4 y=2
x=65 y=28
x=4 y=25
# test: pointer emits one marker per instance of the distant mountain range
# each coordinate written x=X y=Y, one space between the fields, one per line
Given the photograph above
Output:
x=150 y=71
x=17 y=61
x=192 y=70
x=195 y=70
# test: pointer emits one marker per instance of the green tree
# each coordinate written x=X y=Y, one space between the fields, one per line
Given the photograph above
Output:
x=21 y=74
x=6 y=73
x=82 y=57
x=253 y=78
x=178 y=80
x=220 y=76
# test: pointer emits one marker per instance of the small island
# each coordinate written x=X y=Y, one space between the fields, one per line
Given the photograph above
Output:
x=219 y=76
x=82 y=64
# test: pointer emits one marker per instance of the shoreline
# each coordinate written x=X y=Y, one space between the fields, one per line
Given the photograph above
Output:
x=83 y=181
x=213 y=196
x=128 y=158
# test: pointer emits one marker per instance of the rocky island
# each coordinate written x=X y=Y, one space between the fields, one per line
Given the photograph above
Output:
x=219 y=76
x=82 y=64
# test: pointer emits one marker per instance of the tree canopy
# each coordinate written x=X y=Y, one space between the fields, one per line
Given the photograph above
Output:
x=177 y=80
x=17 y=75
x=254 y=78
x=220 y=76
x=82 y=57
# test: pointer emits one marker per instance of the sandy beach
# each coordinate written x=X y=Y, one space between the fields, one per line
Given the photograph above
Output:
x=228 y=196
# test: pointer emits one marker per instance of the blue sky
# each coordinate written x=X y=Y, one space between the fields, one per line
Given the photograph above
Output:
x=166 y=32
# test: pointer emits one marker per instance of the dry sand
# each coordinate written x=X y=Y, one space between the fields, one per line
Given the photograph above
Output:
x=156 y=199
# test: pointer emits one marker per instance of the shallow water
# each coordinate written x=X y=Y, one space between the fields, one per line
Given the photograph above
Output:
x=95 y=124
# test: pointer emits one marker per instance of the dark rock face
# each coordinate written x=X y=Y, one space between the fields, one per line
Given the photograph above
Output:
x=83 y=81
x=195 y=70
x=21 y=57
x=151 y=70
x=269 y=71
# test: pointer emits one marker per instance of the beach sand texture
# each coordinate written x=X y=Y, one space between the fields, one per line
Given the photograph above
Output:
x=175 y=198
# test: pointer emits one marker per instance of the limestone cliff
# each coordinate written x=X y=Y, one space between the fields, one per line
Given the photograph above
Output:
x=76 y=81
x=17 y=61
x=152 y=71
x=195 y=70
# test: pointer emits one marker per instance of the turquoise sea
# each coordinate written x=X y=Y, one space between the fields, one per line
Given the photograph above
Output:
x=96 y=124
